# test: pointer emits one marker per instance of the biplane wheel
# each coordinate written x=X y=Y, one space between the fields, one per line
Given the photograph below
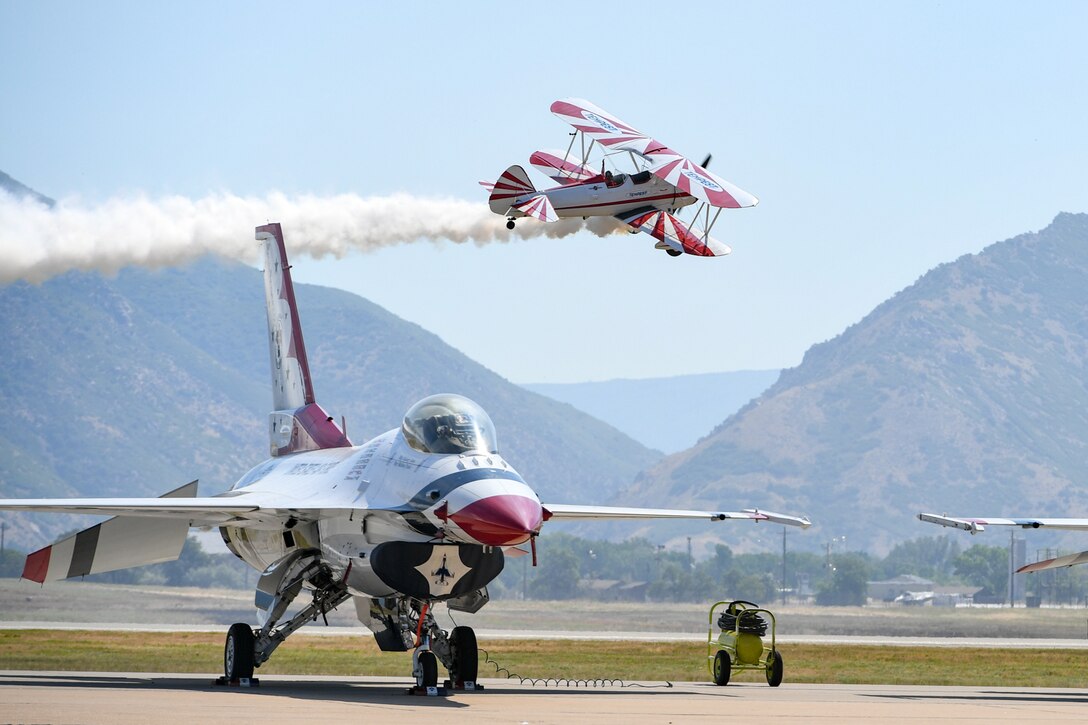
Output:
x=238 y=652
x=510 y=224
x=429 y=664
x=673 y=253
x=774 y=669
x=722 y=668
x=465 y=655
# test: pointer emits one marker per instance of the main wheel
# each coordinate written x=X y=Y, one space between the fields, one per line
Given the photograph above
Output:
x=510 y=224
x=774 y=669
x=465 y=655
x=429 y=664
x=722 y=667
x=673 y=253
x=238 y=652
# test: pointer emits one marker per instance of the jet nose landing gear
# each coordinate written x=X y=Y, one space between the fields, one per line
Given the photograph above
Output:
x=456 y=650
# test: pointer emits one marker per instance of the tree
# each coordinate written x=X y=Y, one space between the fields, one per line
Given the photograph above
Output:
x=986 y=567
x=932 y=557
x=558 y=576
x=849 y=582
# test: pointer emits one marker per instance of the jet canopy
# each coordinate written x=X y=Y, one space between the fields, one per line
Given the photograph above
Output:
x=449 y=423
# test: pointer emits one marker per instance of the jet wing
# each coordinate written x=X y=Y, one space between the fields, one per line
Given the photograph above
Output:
x=671 y=233
x=246 y=509
x=683 y=173
x=570 y=512
x=975 y=525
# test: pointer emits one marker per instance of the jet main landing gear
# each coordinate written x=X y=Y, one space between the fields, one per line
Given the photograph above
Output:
x=247 y=648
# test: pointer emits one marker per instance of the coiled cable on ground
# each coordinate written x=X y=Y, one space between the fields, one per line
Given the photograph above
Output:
x=750 y=623
x=562 y=681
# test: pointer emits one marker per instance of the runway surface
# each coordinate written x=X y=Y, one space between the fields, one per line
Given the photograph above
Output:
x=121 y=699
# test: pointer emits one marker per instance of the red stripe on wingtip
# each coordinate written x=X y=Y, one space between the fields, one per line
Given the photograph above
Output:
x=37 y=565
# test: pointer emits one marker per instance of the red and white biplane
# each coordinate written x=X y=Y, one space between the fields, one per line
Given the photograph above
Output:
x=647 y=200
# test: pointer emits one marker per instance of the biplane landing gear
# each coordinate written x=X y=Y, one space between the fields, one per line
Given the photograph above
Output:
x=509 y=223
x=673 y=253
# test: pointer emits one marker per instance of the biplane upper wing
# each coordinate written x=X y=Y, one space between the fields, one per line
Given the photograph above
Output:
x=560 y=167
x=683 y=173
x=671 y=233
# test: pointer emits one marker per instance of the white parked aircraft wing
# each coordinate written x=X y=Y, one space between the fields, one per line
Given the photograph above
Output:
x=974 y=525
x=1061 y=561
x=560 y=511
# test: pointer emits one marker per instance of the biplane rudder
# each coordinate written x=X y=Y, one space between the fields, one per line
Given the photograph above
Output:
x=512 y=184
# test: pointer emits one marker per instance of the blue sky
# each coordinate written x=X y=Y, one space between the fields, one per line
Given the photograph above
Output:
x=881 y=138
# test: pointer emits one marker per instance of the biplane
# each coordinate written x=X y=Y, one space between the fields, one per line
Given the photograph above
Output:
x=647 y=199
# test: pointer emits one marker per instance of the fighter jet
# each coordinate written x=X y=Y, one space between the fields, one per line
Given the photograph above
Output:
x=423 y=514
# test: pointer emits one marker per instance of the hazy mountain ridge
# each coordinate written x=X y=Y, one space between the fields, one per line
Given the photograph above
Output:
x=19 y=190
x=667 y=414
x=963 y=393
x=134 y=385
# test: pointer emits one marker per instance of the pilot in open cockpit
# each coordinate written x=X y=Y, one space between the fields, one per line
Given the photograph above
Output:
x=613 y=180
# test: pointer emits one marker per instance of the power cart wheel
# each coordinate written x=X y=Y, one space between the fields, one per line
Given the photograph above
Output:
x=722 y=667
x=774 y=669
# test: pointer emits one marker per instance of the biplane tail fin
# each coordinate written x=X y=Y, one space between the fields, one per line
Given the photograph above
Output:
x=513 y=184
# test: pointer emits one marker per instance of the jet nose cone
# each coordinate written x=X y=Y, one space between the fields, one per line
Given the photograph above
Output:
x=500 y=520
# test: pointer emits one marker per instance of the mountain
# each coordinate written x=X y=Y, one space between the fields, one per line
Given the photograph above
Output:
x=136 y=384
x=19 y=190
x=666 y=414
x=965 y=393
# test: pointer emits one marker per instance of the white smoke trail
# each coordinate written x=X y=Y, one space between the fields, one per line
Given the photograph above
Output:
x=38 y=242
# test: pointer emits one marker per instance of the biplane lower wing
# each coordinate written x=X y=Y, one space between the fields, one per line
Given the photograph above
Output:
x=673 y=234
x=556 y=165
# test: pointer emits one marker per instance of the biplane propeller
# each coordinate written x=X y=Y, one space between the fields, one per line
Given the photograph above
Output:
x=646 y=200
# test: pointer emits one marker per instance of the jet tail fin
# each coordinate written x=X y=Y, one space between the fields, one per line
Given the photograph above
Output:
x=298 y=423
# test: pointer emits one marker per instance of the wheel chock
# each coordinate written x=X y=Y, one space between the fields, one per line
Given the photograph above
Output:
x=467 y=686
x=428 y=691
x=237 y=682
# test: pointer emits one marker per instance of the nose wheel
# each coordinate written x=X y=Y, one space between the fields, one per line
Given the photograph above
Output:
x=426 y=669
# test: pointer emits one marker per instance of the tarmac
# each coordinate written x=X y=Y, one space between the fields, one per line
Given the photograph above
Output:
x=139 y=698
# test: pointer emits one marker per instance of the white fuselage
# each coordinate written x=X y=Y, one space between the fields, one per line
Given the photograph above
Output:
x=384 y=491
x=596 y=198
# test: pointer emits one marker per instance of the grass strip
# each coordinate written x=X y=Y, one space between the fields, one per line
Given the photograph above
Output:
x=200 y=652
